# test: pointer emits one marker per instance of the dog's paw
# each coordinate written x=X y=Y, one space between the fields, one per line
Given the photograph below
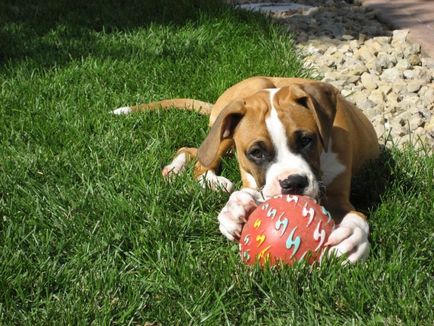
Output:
x=176 y=166
x=215 y=182
x=350 y=238
x=123 y=110
x=236 y=212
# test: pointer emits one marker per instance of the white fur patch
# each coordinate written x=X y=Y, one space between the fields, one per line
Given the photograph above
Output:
x=355 y=220
x=122 y=110
x=286 y=162
x=176 y=166
x=330 y=165
x=236 y=211
x=350 y=238
x=215 y=182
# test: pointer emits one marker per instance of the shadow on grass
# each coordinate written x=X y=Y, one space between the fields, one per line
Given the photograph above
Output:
x=379 y=176
x=55 y=32
x=372 y=181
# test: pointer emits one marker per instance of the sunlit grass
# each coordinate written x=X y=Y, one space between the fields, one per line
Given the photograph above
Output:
x=91 y=233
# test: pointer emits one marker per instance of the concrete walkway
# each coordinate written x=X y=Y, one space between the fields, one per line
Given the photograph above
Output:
x=415 y=15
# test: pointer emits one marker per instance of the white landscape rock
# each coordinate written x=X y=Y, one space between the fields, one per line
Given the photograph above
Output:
x=399 y=37
x=391 y=75
x=369 y=81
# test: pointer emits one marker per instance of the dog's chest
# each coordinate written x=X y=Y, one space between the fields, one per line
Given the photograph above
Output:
x=330 y=166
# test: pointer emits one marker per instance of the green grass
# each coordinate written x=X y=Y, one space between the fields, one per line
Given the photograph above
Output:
x=89 y=231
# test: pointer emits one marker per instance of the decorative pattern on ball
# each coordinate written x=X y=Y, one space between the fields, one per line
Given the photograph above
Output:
x=286 y=228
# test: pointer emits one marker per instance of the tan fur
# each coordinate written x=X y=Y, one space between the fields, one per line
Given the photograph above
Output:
x=182 y=103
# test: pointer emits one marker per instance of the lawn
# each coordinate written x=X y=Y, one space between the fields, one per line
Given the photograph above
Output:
x=89 y=231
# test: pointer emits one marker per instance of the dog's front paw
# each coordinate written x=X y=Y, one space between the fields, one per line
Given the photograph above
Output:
x=215 y=182
x=350 y=238
x=236 y=212
x=175 y=167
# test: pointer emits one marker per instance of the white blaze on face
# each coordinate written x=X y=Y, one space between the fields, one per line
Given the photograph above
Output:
x=285 y=162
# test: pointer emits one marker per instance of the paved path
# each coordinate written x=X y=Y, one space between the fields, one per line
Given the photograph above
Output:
x=415 y=15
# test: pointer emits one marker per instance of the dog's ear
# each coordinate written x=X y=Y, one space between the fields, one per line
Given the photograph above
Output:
x=223 y=128
x=321 y=99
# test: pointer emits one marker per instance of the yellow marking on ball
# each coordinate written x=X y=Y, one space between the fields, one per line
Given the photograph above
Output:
x=257 y=223
x=262 y=253
x=260 y=239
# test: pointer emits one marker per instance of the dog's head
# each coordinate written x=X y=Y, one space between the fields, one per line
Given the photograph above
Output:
x=279 y=135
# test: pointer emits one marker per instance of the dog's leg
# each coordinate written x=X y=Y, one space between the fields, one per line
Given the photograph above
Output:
x=236 y=212
x=182 y=157
x=350 y=237
x=207 y=177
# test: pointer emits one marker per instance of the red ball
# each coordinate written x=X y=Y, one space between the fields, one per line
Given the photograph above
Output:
x=286 y=228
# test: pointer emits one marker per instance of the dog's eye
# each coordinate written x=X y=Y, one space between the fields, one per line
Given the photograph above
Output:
x=305 y=141
x=257 y=154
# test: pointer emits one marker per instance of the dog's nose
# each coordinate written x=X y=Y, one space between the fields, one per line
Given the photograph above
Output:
x=294 y=184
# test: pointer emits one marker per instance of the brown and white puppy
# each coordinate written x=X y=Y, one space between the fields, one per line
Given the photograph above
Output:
x=292 y=136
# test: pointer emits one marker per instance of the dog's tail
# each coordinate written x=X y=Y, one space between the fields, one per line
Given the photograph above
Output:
x=179 y=103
